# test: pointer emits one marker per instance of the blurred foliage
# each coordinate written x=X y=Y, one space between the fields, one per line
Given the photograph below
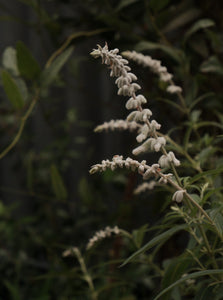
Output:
x=47 y=211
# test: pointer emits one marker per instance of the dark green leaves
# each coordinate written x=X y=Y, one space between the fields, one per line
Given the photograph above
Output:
x=27 y=65
x=187 y=277
x=12 y=90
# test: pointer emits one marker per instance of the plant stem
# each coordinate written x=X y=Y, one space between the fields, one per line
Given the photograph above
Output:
x=22 y=125
x=69 y=40
x=87 y=276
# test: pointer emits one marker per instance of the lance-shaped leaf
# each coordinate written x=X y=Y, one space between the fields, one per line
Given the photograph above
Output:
x=50 y=73
x=187 y=277
x=27 y=65
x=12 y=90
x=58 y=186
x=201 y=24
x=156 y=240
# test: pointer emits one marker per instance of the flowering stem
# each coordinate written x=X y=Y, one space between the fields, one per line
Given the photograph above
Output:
x=87 y=277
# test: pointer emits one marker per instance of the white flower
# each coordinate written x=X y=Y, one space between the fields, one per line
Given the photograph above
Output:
x=165 y=160
x=135 y=102
x=172 y=89
x=144 y=187
x=144 y=131
x=151 y=171
x=157 y=143
x=178 y=196
x=165 y=77
x=164 y=178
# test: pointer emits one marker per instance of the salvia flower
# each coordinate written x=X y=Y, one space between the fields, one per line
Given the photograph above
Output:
x=173 y=89
x=145 y=186
x=165 y=160
x=139 y=118
x=117 y=124
x=178 y=196
x=102 y=234
x=70 y=251
x=156 y=67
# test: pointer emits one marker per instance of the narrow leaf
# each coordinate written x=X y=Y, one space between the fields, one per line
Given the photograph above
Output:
x=58 y=186
x=190 y=276
x=182 y=19
x=11 y=89
x=206 y=173
x=156 y=240
x=212 y=65
x=125 y=3
x=175 y=269
x=28 y=66
x=158 y=5
x=201 y=24
x=49 y=74
x=201 y=98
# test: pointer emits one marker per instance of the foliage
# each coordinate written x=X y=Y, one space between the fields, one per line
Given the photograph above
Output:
x=162 y=250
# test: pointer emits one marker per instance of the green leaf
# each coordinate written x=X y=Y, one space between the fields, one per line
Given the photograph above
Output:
x=13 y=290
x=156 y=240
x=212 y=65
x=190 y=276
x=22 y=88
x=206 y=173
x=28 y=66
x=196 y=198
x=158 y=5
x=12 y=90
x=49 y=74
x=205 y=154
x=9 y=61
x=181 y=20
x=201 y=24
x=175 y=269
x=217 y=218
x=139 y=234
x=58 y=186
x=201 y=98
x=125 y=3
x=176 y=54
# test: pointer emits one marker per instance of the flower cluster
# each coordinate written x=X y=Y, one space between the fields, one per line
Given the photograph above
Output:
x=156 y=67
x=139 y=118
x=166 y=159
x=127 y=87
x=145 y=186
x=117 y=124
x=70 y=251
x=102 y=234
x=129 y=163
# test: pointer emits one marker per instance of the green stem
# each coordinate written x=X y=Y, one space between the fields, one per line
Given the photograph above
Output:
x=210 y=252
x=87 y=276
x=21 y=127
